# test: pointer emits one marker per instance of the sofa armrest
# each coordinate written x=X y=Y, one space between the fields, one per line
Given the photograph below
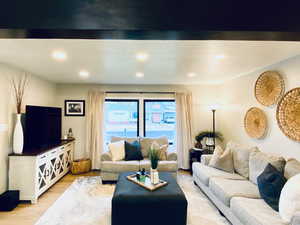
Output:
x=296 y=219
x=171 y=156
x=205 y=159
x=106 y=157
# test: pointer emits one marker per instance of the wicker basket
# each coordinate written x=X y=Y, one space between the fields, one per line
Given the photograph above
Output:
x=255 y=123
x=81 y=166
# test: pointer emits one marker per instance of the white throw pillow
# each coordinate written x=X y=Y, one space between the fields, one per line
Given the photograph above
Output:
x=289 y=202
x=117 y=150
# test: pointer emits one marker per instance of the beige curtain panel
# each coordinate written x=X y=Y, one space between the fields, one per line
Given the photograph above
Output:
x=184 y=140
x=95 y=127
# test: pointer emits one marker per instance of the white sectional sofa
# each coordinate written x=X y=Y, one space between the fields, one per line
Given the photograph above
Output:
x=237 y=197
x=110 y=169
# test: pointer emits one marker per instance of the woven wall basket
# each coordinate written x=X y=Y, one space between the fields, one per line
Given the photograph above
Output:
x=269 y=88
x=288 y=114
x=255 y=123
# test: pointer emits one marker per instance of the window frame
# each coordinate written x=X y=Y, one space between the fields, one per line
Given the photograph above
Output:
x=129 y=100
x=144 y=112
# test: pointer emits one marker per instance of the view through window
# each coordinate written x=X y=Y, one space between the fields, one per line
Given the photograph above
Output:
x=160 y=118
x=122 y=119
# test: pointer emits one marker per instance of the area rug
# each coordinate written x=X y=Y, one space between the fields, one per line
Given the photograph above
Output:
x=88 y=202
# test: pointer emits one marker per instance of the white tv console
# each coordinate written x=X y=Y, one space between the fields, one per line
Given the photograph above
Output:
x=32 y=174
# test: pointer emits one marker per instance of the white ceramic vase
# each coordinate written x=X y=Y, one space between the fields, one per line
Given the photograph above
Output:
x=154 y=177
x=18 y=138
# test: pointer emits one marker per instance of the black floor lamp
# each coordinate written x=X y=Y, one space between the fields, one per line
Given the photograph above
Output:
x=214 y=126
x=214 y=109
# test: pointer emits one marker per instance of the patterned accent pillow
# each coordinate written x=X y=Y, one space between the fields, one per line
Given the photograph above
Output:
x=240 y=155
x=222 y=160
x=258 y=162
x=162 y=150
x=292 y=168
x=146 y=144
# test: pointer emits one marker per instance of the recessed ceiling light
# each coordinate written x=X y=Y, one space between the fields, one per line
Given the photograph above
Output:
x=84 y=74
x=59 y=55
x=220 y=56
x=191 y=74
x=142 y=56
x=139 y=74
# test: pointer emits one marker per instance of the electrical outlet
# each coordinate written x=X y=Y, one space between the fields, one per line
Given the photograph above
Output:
x=3 y=127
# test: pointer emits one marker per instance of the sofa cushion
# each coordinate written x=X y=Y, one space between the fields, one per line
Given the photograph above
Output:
x=222 y=159
x=106 y=156
x=171 y=156
x=258 y=162
x=254 y=212
x=270 y=184
x=163 y=166
x=296 y=219
x=204 y=173
x=133 y=151
x=116 y=139
x=120 y=166
x=147 y=142
x=205 y=159
x=167 y=166
x=292 y=168
x=225 y=189
x=240 y=157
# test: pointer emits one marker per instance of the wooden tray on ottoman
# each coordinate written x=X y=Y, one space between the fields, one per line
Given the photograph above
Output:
x=147 y=184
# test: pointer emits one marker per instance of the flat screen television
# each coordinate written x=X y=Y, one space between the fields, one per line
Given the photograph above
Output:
x=42 y=127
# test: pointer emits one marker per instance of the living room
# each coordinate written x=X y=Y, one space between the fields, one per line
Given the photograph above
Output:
x=192 y=127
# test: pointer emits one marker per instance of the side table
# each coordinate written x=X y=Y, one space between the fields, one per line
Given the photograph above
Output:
x=195 y=155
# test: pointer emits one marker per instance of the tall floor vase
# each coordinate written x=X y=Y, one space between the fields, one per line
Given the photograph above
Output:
x=18 y=138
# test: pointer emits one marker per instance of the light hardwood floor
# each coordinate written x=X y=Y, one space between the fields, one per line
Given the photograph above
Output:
x=28 y=214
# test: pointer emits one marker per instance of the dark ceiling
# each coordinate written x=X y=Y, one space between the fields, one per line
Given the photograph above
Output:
x=151 y=19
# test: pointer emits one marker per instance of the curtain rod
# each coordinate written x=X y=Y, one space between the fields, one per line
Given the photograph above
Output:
x=138 y=92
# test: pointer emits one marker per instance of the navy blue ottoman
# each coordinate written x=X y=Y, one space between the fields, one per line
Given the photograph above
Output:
x=134 y=205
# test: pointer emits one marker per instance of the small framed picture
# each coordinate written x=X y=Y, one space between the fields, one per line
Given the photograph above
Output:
x=74 y=108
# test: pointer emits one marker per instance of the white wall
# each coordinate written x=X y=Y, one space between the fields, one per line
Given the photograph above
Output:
x=39 y=92
x=202 y=96
x=238 y=96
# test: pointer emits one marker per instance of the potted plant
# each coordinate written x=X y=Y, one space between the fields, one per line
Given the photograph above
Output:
x=154 y=159
x=207 y=134
x=19 y=87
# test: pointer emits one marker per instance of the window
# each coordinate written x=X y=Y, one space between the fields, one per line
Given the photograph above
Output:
x=160 y=119
x=121 y=118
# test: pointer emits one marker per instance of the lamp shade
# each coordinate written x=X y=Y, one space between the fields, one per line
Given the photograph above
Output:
x=214 y=106
x=209 y=141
